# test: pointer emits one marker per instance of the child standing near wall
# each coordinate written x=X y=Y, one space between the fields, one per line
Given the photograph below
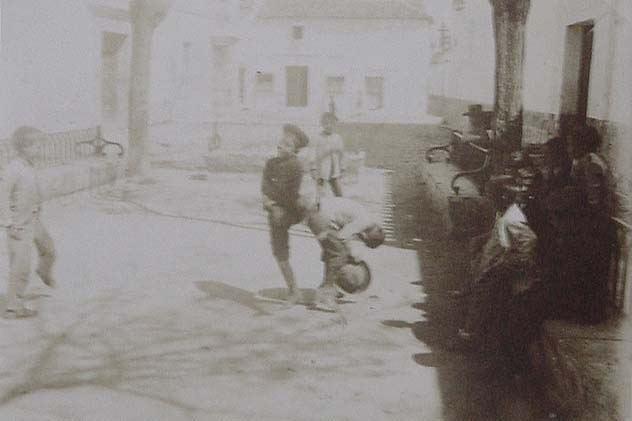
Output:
x=26 y=228
x=327 y=160
x=280 y=187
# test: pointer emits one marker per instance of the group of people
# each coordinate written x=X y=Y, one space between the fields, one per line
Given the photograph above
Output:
x=571 y=214
x=334 y=220
x=548 y=252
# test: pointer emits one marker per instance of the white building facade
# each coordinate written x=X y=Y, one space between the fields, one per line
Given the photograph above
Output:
x=50 y=64
x=367 y=60
x=577 y=68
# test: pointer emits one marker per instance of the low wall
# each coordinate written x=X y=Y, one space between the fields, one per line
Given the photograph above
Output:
x=65 y=166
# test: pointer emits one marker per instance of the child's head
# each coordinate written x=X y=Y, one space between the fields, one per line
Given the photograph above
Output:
x=25 y=140
x=292 y=141
x=373 y=236
x=328 y=121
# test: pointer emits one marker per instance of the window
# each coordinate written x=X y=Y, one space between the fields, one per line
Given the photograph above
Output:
x=297 y=85
x=246 y=4
x=222 y=78
x=458 y=5
x=264 y=82
x=186 y=63
x=374 y=92
x=297 y=32
x=335 y=85
x=444 y=38
x=242 y=85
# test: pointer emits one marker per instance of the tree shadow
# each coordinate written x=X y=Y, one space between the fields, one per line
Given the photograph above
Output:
x=308 y=295
x=137 y=353
x=472 y=385
x=222 y=291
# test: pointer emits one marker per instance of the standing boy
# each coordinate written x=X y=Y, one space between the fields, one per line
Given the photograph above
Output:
x=280 y=186
x=25 y=227
x=336 y=222
x=327 y=161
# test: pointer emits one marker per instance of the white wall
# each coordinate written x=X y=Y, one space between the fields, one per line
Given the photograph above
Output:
x=470 y=73
x=398 y=51
x=175 y=95
x=51 y=51
x=4 y=127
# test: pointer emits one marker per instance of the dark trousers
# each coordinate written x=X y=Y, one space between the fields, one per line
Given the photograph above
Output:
x=335 y=253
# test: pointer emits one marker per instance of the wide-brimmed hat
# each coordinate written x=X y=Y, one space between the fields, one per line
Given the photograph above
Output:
x=474 y=109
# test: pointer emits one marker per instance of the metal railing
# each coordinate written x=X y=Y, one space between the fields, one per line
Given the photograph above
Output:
x=64 y=147
x=481 y=169
x=458 y=139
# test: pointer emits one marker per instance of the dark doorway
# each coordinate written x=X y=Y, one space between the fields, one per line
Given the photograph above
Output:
x=297 y=85
x=576 y=77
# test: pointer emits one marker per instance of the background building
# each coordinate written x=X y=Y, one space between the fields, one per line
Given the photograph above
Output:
x=368 y=59
x=51 y=62
x=577 y=68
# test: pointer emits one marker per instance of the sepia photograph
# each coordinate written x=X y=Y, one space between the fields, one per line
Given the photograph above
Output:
x=315 y=210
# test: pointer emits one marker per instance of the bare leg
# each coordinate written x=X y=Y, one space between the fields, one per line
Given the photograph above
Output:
x=46 y=251
x=335 y=187
x=19 y=245
x=288 y=276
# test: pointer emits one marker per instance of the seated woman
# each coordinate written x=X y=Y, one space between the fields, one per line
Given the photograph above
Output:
x=593 y=234
x=504 y=269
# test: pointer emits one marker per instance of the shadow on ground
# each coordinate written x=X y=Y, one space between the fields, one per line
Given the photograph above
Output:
x=474 y=387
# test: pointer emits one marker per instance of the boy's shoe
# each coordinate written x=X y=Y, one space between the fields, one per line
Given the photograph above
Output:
x=46 y=278
x=339 y=295
x=294 y=297
x=326 y=300
x=19 y=313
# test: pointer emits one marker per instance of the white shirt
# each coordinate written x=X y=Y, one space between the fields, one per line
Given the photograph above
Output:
x=327 y=156
x=347 y=216
x=24 y=197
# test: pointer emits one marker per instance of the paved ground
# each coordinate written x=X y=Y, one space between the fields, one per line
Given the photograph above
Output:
x=156 y=315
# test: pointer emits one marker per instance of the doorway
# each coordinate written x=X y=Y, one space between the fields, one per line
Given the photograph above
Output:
x=576 y=75
x=297 y=86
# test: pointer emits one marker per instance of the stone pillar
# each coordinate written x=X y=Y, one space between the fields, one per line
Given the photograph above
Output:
x=146 y=15
x=509 y=17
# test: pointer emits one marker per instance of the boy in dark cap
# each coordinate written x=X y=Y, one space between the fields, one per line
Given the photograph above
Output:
x=280 y=187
